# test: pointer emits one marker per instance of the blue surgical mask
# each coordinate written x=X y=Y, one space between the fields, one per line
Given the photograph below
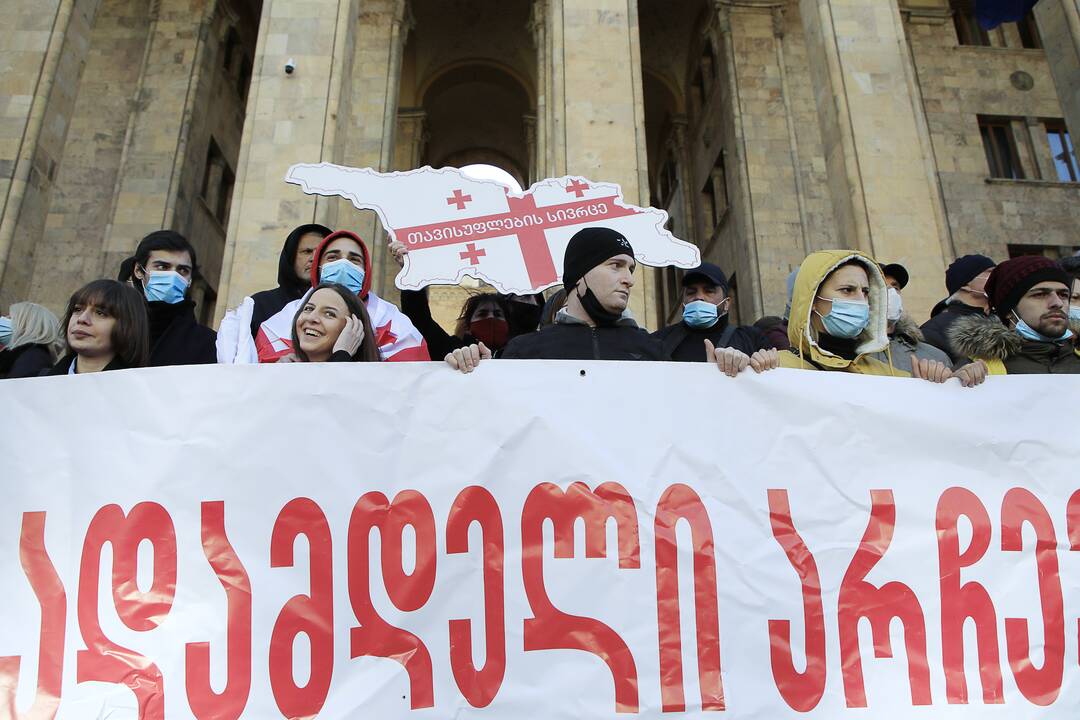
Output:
x=166 y=286
x=1074 y=314
x=344 y=273
x=1029 y=333
x=847 y=319
x=700 y=314
x=5 y=331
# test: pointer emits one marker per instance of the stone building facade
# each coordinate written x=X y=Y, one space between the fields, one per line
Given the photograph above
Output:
x=766 y=128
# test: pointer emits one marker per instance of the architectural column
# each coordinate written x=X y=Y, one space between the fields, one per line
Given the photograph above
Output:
x=1059 y=29
x=381 y=34
x=291 y=118
x=881 y=172
x=43 y=46
x=411 y=139
x=594 y=122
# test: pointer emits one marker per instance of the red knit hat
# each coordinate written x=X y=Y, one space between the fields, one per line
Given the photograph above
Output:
x=1013 y=278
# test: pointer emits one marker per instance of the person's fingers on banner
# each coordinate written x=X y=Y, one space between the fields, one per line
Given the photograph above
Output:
x=764 y=360
x=485 y=353
x=291 y=357
x=930 y=370
x=730 y=361
x=972 y=374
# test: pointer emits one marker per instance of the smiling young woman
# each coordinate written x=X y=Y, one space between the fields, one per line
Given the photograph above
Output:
x=332 y=325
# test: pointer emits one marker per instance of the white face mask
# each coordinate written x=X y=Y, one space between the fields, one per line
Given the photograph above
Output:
x=896 y=305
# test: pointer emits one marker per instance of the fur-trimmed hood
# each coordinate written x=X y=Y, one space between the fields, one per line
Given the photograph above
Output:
x=987 y=338
x=983 y=338
x=906 y=327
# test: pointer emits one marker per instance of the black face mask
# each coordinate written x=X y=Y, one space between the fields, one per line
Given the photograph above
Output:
x=600 y=315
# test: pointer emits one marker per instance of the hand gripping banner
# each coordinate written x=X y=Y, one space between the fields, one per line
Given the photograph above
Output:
x=537 y=539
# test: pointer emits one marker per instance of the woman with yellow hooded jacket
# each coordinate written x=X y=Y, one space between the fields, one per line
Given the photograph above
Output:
x=838 y=321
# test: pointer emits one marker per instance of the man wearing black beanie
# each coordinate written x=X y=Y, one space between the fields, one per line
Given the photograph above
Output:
x=965 y=281
x=598 y=273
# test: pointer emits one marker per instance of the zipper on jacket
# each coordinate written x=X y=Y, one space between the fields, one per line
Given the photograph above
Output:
x=595 y=345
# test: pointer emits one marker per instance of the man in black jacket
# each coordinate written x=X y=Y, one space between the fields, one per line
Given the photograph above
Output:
x=965 y=281
x=705 y=317
x=293 y=275
x=165 y=265
x=598 y=273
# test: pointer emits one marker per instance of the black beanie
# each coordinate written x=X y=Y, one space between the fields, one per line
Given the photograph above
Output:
x=964 y=270
x=588 y=248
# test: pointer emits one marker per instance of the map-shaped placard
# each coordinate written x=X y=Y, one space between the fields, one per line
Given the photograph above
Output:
x=455 y=226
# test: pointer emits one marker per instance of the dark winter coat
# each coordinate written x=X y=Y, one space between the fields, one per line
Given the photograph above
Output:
x=1006 y=352
x=683 y=343
x=176 y=338
x=25 y=361
x=571 y=339
x=936 y=330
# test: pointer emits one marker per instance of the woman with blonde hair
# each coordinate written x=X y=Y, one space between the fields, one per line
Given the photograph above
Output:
x=31 y=341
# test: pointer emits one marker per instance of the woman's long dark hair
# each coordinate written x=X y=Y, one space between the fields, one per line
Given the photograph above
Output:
x=368 y=350
x=470 y=306
x=130 y=338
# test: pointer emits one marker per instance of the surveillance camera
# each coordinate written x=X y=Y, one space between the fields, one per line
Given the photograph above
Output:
x=290 y=66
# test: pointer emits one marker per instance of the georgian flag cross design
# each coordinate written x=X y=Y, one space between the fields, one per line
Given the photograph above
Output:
x=455 y=226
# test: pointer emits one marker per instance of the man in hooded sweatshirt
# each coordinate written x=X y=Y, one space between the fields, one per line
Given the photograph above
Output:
x=1029 y=332
x=341 y=258
x=705 y=317
x=294 y=279
x=838 y=321
x=164 y=267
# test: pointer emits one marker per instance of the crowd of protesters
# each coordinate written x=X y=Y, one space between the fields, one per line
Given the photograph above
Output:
x=844 y=312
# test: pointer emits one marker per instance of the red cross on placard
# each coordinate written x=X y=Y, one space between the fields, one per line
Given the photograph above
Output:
x=577 y=187
x=458 y=199
x=472 y=254
x=531 y=238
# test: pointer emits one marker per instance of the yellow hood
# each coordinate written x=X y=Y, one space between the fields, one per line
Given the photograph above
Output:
x=815 y=268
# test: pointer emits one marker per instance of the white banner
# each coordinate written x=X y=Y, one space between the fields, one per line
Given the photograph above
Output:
x=537 y=539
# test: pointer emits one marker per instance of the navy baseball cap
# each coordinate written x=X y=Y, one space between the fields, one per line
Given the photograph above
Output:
x=706 y=272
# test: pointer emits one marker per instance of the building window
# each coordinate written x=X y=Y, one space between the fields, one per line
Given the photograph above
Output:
x=217 y=185
x=1000 y=147
x=243 y=81
x=1061 y=148
x=232 y=45
x=714 y=196
x=1029 y=32
x=968 y=29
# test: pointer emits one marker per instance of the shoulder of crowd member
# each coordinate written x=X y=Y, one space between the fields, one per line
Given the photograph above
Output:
x=663 y=332
x=524 y=347
x=757 y=338
x=30 y=361
x=983 y=338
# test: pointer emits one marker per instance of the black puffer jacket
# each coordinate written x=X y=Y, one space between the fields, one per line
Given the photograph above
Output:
x=571 y=339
